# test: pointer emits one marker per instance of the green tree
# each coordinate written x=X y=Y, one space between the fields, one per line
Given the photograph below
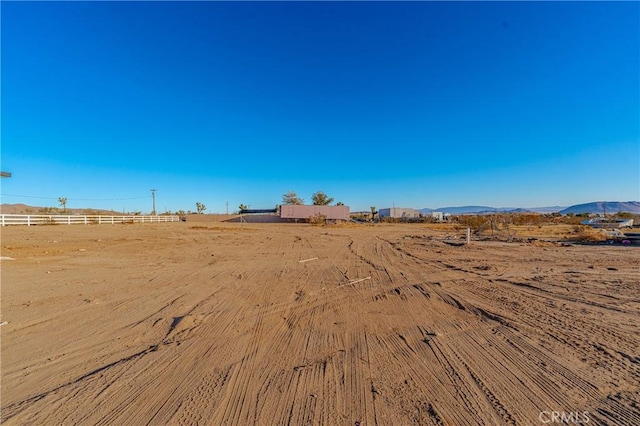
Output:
x=373 y=212
x=339 y=203
x=63 y=203
x=291 y=198
x=200 y=207
x=321 y=199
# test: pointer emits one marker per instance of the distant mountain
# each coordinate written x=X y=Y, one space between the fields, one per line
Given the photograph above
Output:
x=604 y=207
x=595 y=207
x=468 y=210
x=552 y=209
x=25 y=209
x=542 y=210
x=15 y=208
x=521 y=210
x=459 y=210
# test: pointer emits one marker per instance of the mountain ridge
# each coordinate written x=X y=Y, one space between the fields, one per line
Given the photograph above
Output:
x=594 y=207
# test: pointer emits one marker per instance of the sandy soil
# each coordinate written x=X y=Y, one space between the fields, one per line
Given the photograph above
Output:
x=222 y=324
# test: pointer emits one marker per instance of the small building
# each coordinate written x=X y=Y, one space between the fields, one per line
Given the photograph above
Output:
x=299 y=211
x=399 y=212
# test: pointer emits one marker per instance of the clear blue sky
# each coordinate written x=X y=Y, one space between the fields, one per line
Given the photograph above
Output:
x=421 y=104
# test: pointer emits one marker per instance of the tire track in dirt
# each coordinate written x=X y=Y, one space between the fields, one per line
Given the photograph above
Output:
x=560 y=330
x=130 y=370
x=407 y=352
x=111 y=366
x=251 y=336
x=498 y=407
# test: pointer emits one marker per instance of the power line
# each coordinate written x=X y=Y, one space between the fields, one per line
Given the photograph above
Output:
x=75 y=199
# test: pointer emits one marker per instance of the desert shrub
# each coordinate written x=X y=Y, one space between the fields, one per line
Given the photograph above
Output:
x=480 y=228
x=48 y=221
x=527 y=219
x=585 y=233
x=48 y=210
x=624 y=215
x=389 y=219
x=475 y=222
x=573 y=220
x=318 y=219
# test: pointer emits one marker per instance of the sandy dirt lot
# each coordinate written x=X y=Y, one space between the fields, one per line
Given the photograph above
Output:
x=222 y=324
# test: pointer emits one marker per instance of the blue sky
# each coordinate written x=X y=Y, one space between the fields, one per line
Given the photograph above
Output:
x=417 y=104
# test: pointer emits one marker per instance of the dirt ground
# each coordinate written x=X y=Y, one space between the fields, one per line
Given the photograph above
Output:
x=272 y=324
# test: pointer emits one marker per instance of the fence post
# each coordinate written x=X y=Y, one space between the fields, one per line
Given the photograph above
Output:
x=2 y=220
x=68 y=220
x=112 y=220
x=85 y=220
x=468 y=235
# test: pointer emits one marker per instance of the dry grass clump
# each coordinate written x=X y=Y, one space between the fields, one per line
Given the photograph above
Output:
x=587 y=234
x=221 y=228
x=544 y=231
x=200 y=227
x=343 y=224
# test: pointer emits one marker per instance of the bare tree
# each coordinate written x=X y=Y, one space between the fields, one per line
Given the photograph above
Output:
x=291 y=198
x=200 y=207
x=63 y=203
x=242 y=207
x=321 y=199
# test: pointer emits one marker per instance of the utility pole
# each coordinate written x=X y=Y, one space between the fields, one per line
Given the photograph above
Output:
x=227 y=207
x=153 y=195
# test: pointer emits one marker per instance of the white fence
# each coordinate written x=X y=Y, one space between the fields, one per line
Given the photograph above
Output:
x=43 y=219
